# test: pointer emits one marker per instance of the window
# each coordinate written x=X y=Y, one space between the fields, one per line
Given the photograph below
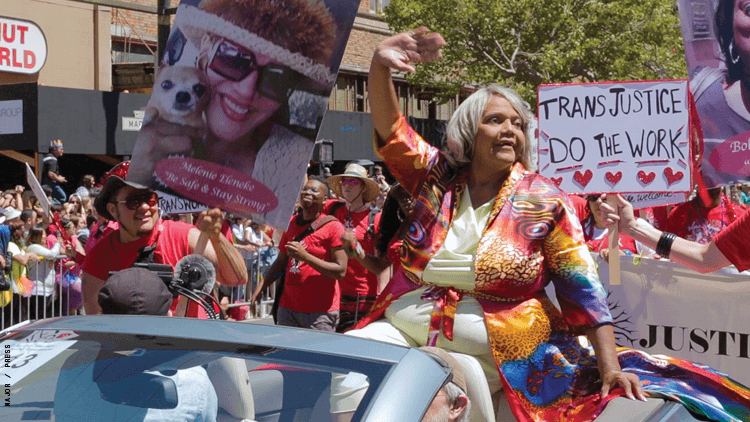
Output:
x=377 y=6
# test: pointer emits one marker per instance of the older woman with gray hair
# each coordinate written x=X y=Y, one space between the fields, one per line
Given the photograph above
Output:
x=487 y=235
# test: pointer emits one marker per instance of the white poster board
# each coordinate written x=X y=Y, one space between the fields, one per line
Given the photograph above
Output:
x=37 y=189
x=615 y=137
x=641 y=200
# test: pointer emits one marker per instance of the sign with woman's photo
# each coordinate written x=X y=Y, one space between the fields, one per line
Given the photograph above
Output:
x=615 y=137
x=717 y=47
x=238 y=100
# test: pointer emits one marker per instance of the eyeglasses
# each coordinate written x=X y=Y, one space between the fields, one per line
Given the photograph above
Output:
x=350 y=181
x=135 y=201
x=309 y=189
x=275 y=82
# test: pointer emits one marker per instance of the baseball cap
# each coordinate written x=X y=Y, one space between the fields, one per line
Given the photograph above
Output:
x=135 y=291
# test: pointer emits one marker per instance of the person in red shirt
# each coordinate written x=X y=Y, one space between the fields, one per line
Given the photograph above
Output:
x=144 y=237
x=596 y=235
x=697 y=222
x=359 y=288
x=728 y=247
x=394 y=222
x=313 y=265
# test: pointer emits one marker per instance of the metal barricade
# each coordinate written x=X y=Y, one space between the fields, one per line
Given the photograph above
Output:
x=257 y=265
x=49 y=297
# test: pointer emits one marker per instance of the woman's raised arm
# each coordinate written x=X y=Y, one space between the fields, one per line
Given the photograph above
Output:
x=397 y=52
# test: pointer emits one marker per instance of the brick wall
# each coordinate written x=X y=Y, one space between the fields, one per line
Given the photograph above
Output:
x=360 y=47
x=140 y=23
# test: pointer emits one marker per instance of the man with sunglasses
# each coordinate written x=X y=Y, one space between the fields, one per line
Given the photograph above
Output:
x=143 y=237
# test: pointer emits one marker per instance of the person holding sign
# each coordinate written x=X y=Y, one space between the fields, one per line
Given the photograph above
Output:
x=727 y=248
x=487 y=236
x=266 y=65
x=596 y=235
x=143 y=236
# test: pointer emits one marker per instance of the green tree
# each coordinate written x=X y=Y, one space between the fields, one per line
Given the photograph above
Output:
x=524 y=43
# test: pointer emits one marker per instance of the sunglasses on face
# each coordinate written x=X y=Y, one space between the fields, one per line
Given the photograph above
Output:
x=275 y=82
x=135 y=201
x=350 y=182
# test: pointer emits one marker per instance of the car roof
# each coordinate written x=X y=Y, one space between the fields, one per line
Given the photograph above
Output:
x=226 y=332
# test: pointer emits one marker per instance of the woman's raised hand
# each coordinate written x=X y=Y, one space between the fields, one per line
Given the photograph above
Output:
x=417 y=46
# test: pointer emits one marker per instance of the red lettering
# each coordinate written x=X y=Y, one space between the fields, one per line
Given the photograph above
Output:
x=9 y=38
x=16 y=63
x=4 y=56
x=22 y=31
x=29 y=59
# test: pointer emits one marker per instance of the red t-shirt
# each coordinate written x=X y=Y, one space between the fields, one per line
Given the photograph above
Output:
x=732 y=242
x=580 y=206
x=656 y=216
x=172 y=244
x=358 y=278
x=305 y=289
x=698 y=224
x=226 y=230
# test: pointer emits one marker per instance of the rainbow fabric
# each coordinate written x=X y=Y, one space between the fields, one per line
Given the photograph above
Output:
x=533 y=238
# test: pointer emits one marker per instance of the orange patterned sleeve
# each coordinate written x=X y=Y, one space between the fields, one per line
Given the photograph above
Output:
x=408 y=157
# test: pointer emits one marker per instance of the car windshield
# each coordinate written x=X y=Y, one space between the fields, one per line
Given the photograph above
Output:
x=61 y=375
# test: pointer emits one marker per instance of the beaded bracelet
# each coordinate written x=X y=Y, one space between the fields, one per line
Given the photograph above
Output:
x=664 y=246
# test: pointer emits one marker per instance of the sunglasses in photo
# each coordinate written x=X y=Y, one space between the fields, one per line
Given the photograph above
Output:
x=235 y=63
x=134 y=202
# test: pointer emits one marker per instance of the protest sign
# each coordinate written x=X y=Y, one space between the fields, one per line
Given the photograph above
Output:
x=615 y=137
x=171 y=204
x=238 y=100
x=716 y=55
x=37 y=189
x=641 y=200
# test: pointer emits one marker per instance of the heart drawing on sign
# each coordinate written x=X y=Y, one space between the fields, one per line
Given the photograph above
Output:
x=556 y=180
x=583 y=179
x=671 y=176
x=646 y=178
x=613 y=178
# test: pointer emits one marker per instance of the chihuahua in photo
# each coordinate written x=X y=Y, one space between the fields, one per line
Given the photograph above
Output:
x=173 y=120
